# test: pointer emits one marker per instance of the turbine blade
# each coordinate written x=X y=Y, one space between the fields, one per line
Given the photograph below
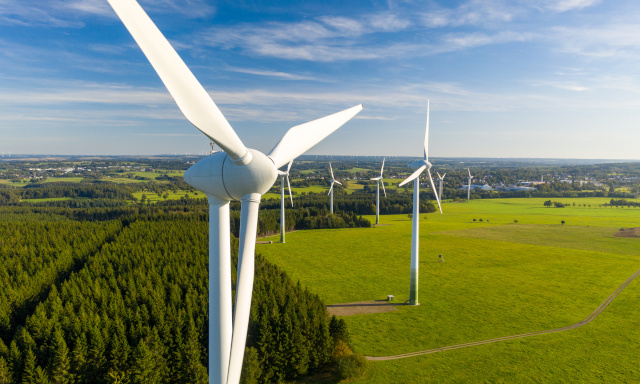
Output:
x=191 y=97
x=413 y=176
x=468 y=170
x=290 y=194
x=330 y=189
x=444 y=175
x=301 y=138
x=439 y=177
x=338 y=182
x=289 y=167
x=433 y=186
x=426 y=136
x=382 y=182
x=331 y=169
x=246 y=270
x=382 y=168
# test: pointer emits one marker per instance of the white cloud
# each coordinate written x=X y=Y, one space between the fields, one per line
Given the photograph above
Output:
x=568 y=5
x=276 y=74
x=619 y=40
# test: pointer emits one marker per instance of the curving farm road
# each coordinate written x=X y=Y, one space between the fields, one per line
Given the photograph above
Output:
x=587 y=320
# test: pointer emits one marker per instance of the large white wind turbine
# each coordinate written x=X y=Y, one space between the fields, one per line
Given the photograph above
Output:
x=469 y=185
x=440 y=181
x=333 y=181
x=236 y=173
x=284 y=175
x=379 y=181
x=419 y=166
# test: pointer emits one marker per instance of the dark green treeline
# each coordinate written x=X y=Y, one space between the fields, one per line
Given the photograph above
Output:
x=128 y=303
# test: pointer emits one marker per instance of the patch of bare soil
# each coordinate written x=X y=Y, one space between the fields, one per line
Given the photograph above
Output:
x=362 y=307
x=628 y=232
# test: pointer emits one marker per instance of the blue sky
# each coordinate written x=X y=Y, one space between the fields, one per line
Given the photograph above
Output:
x=519 y=78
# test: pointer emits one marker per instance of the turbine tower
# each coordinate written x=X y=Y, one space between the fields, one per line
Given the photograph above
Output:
x=469 y=185
x=333 y=181
x=440 y=181
x=284 y=175
x=379 y=181
x=419 y=166
x=235 y=173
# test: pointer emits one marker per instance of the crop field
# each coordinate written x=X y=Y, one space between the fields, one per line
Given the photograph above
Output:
x=510 y=267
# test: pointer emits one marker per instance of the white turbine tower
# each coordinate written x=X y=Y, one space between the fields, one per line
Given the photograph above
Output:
x=235 y=173
x=440 y=181
x=419 y=166
x=333 y=181
x=379 y=181
x=284 y=175
x=469 y=185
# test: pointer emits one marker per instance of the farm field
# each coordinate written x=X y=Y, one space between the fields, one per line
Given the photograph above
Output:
x=499 y=278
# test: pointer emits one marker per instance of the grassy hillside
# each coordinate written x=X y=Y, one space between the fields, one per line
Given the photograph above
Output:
x=499 y=278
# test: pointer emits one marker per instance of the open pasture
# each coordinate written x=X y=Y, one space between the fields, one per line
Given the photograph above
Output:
x=499 y=278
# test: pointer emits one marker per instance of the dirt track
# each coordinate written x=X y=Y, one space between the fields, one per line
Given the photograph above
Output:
x=589 y=319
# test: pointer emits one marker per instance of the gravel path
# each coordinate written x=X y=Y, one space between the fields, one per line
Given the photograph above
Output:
x=589 y=319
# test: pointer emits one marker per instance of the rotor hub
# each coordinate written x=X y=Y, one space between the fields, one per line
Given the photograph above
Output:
x=218 y=176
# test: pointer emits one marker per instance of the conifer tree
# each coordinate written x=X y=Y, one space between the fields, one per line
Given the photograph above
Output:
x=120 y=349
x=5 y=372
x=144 y=369
x=41 y=377
x=60 y=362
x=192 y=369
x=15 y=361
x=79 y=359
x=29 y=371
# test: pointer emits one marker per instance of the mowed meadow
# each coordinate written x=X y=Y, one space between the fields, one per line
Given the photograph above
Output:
x=517 y=270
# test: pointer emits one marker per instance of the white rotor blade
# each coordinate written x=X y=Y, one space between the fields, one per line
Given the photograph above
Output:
x=244 y=284
x=289 y=185
x=289 y=167
x=433 y=186
x=444 y=175
x=382 y=182
x=330 y=188
x=469 y=172
x=382 y=168
x=413 y=175
x=331 y=169
x=426 y=136
x=439 y=177
x=338 y=182
x=192 y=99
x=301 y=138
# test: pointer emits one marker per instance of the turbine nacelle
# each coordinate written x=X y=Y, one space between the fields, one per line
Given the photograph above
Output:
x=217 y=175
x=420 y=163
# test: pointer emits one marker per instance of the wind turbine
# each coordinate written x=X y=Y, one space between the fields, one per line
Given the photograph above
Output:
x=379 y=181
x=333 y=181
x=440 y=181
x=235 y=173
x=469 y=185
x=284 y=175
x=419 y=166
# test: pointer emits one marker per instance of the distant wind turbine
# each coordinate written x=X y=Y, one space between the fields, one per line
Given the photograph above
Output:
x=284 y=175
x=333 y=181
x=379 y=181
x=469 y=186
x=440 y=181
x=419 y=166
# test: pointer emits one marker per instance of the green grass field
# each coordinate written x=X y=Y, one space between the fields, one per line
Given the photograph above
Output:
x=499 y=278
x=154 y=198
